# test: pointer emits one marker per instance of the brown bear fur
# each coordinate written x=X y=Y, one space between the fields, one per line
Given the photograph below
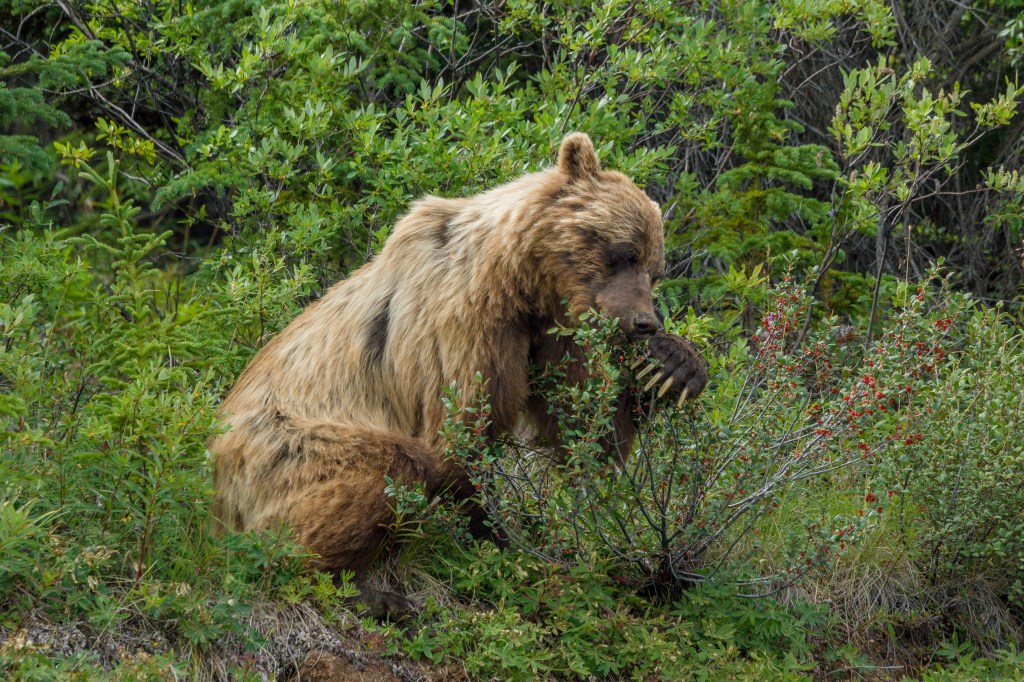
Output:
x=350 y=391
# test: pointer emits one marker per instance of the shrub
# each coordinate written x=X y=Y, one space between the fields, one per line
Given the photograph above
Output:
x=696 y=501
x=110 y=371
x=959 y=469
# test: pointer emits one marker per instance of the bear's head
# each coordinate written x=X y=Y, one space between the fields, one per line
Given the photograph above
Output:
x=609 y=244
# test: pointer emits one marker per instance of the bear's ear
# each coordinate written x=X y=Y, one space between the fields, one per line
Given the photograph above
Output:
x=577 y=157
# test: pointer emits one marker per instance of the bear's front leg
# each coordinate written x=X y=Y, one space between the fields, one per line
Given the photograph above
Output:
x=678 y=371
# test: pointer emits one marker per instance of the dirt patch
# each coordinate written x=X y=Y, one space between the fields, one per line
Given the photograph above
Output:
x=295 y=643
x=323 y=666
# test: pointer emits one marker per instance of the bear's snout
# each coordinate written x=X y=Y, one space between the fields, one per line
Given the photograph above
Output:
x=626 y=297
x=645 y=325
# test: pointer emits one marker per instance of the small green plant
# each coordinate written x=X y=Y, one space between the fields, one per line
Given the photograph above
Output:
x=550 y=620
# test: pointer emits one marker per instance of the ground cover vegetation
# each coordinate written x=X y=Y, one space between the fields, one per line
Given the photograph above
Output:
x=843 y=209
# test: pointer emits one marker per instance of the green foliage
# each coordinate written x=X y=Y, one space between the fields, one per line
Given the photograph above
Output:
x=110 y=379
x=21 y=660
x=958 y=471
x=22 y=100
x=737 y=221
x=556 y=621
x=963 y=664
x=141 y=406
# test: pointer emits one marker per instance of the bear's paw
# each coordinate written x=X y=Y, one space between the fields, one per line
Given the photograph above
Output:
x=678 y=371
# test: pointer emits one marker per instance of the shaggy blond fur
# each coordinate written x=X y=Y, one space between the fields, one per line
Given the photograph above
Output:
x=350 y=392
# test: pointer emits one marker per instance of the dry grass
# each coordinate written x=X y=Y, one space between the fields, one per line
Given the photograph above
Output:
x=893 y=612
x=290 y=633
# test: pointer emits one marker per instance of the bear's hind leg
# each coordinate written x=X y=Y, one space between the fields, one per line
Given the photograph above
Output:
x=337 y=505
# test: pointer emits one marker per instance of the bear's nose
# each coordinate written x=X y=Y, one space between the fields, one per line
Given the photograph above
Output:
x=646 y=324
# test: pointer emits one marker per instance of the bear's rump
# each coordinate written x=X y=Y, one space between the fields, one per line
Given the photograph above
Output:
x=324 y=479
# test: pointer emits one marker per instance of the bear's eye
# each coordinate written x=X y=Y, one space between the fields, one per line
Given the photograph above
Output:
x=622 y=256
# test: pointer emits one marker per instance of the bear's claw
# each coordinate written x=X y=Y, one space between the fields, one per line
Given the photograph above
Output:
x=683 y=372
x=665 y=386
x=654 y=380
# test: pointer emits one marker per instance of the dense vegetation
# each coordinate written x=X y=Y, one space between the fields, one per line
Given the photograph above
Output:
x=844 y=216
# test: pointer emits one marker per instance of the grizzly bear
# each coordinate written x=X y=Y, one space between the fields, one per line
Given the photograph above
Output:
x=351 y=390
